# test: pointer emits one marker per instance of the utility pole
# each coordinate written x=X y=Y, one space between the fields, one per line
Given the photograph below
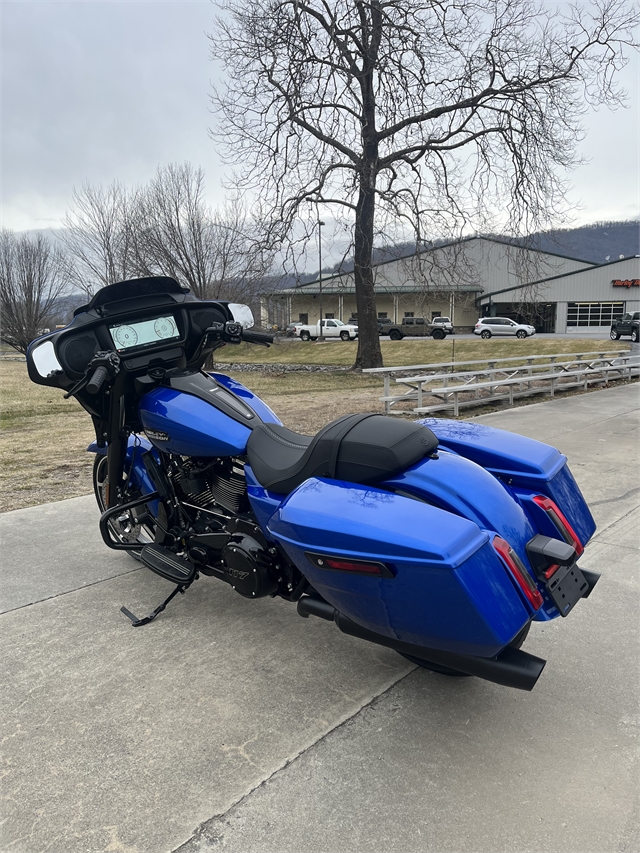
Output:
x=320 y=326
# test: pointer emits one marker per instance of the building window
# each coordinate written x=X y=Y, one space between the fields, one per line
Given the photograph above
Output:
x=382 y=315
x=593 y=313
x=303 y=318
x=435 y=314
x=408 y=313
x=329 y=316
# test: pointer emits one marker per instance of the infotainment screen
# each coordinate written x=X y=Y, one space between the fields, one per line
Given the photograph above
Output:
x=147 y=332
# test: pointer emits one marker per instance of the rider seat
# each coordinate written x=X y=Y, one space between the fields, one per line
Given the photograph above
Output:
x=357 y=448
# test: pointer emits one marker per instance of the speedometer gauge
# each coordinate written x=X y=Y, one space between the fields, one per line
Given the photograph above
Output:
x=125 y=336
x=165 y=327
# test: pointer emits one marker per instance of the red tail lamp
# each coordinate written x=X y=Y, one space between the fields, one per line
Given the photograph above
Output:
x=559 y=520
x=519 y=572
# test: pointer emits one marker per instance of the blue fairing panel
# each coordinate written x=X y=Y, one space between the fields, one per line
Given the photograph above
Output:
x=450 y=590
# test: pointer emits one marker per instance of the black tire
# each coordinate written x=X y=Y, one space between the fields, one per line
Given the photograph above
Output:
x=485 y=333
x=438 y=335
x=396 y=335
x=125 y=529
x=521 y=333
x=305 y=336
x=516 y=643
x=314 y=339
x=614 y=335
x=344 y=336
x=634 y=336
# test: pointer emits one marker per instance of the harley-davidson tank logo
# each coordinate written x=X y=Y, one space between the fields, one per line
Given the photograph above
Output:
x=156 y=435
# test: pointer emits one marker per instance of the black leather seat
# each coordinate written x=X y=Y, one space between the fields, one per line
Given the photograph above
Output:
x=356 y=448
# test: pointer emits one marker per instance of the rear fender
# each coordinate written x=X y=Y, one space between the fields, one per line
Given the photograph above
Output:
x=524 y=465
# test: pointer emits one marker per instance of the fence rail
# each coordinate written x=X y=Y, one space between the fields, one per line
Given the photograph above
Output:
x=542 y=374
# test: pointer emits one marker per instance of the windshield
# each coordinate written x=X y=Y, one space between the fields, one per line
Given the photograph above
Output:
x=338 y=322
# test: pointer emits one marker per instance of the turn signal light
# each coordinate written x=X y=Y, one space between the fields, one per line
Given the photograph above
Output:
x=557 y=517
x=519 y=572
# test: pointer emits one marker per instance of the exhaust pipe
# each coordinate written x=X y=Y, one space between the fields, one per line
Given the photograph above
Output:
x=511 y=667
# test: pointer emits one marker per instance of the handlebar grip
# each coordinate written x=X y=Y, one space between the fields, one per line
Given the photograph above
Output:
x=94 y=384
x=256 y=337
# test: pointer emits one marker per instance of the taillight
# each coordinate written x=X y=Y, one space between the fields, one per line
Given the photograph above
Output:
x=557 y=517
x=519 y=572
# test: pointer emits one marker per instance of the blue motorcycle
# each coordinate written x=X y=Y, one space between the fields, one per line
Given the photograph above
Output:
x=440 y=539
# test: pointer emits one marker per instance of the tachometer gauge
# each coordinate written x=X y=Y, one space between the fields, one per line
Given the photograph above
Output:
x=165 y=327
x=125 y=336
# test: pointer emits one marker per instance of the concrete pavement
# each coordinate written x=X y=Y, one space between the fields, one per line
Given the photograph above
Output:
x=238 y=726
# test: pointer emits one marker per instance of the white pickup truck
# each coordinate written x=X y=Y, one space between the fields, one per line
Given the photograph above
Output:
x=330 y=329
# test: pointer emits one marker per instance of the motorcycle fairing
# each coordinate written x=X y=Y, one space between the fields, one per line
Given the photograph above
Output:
x=450 y=589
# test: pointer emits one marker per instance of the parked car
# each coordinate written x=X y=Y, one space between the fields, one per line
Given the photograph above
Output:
x=330 y=329
x=628 y=324
x=416 y=326
x=293 y=330
x=445 y=322
x=488 y=326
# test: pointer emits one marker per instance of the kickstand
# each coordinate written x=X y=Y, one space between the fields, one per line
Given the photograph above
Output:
x=182 y=588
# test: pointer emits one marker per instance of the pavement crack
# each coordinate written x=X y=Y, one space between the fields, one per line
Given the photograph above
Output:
x=623 y=497
x=201 y=832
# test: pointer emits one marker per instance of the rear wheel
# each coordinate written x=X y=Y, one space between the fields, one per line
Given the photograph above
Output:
x=516 y=643
x=485 y=333
x=614 y=335
x=634 y=336
x=124 y=528
x=521 y=333
x=395 y=335
x=344 y=336
x=305 y=336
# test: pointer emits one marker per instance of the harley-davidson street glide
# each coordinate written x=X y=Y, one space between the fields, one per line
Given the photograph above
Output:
x=440 y=539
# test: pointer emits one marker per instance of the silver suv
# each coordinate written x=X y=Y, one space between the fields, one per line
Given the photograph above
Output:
x=488 y=326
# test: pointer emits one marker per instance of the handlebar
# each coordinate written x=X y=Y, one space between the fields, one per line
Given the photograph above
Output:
x=256 y=337
x=95 y=383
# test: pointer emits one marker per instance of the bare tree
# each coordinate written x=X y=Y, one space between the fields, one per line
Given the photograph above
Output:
x=33 y=274
x=99 y=235
x=427 y=115
x=217 y=254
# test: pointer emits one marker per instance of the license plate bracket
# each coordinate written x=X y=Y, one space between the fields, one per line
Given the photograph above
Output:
x=566 y=587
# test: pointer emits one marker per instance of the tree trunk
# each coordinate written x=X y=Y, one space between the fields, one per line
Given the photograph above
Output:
x=369 y=353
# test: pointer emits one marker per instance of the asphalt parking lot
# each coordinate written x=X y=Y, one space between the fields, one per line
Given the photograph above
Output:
x=237 y=726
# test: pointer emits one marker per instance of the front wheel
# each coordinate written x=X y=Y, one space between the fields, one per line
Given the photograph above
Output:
x=634 y=336
x=485 y=333
x=521 y=333
x=438 y=335
x=614 y=335
x=344 y=336
x=125 y=528
x=516 y=643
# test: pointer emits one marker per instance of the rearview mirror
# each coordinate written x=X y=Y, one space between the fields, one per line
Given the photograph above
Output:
x=44 y=358
x=242 y=314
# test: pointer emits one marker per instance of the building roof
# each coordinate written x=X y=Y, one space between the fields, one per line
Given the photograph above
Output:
x=343 y=283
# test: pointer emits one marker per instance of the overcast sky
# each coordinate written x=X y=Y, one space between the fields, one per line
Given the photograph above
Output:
x=97 y=90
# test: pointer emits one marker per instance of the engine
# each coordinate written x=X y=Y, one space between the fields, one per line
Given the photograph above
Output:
x=224 y=540
x=209 y=484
